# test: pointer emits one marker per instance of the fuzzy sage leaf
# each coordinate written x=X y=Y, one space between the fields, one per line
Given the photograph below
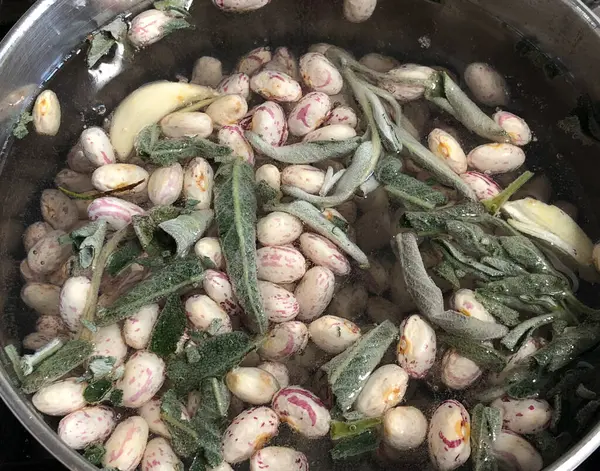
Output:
x=187 y=229
x=88 y=240
x=169 y=327
x=146 y=227
x=483 y=355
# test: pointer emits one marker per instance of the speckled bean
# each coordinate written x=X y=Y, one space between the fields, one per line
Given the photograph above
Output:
x=50 y=325
x=514 y=453
x=269 y=174
x=254 y=60
x=309 y=113
x=28 y=274
x=278 y=458
x=114 y=176
x=357 y=11
x=269 y=122
x=280 y=305
x=46 y=113
x=125 y=447
x=150 y=411
x=60 y=398
x=302 y=411
x=319 y=74
x=227 y=110
x=207 y=315
x=280 y=264
x=233 y=137
x=417 y=346
x=314 y=292
x=73 y=181
x=404 y=428
x=516 y=127
x=486 y=84
x=276 y=86
x=58 y=209
x=464 y=301
x=249 y=432
x=278 y=228
x=284 y=61
x=333 y=334
x=483 y=186
x=458 y=372
x=148 y=28
x=144 y=375
x=342 y=115
x=525 y=416
x=217 y=286
x=115 y=211
x=210 y=248
x=73 y=297
x=321 y=251
x=77 y=161
x=97 y=147
x=278 y=370
x=165 y=184
x=252 y=385
x=235 y=84
x=305 y=177
x=331 y=132
x=86 y=426
x=42 y=298
x=448 y=150
x=137 y=329
x=159 y=456
x=187 y=124
x=108 y=342
x=496 y=158
x=207 y=71
x=384 y=389
x=449 y=436
x=34 y=233
x=284 y=340
x=48 y=254
x=198 y=182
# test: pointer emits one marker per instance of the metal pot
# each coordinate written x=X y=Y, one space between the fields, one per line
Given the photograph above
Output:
x=548 y=49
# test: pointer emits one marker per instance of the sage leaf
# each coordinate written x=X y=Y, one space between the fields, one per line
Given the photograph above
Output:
x=266 y=194
x=88 y=240
x=235 y=211
x=340 y=430
x=433 y=222
x=12 y=355
x=460 y=325
x=100 y=367
x=474 y=240
x=210 y=433
x=511 y=340
x=533 y=285
x=103 y=40
x=123 y=257
x=513 y=302
x=169 y=327
x=569 y=345
x=494 y=204
x=217 y=355
x=146 y=227
x=461 y=269
x=65 y=360
x=348 y=372
x=216 y=398
x=508 y=267
x=483 y=355
x=525 y=253
x=314 y=219
x=168 y=280
x=385 y=126
x=355 y=446
x=94 y=454
x=184 y=438
x=303 y=152
x=447 y=272
x=187 y=229
x=585 y=415
x=481 y=438
x=20 y=130
x=98 y=391
x=504 y=314
x=466 y=259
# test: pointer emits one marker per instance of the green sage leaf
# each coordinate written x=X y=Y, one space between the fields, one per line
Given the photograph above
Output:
x=94 y=454
x=473 y=240
x=88 y=240
x=341 y=430
x=355 y=446
x=169 y=327
x=481 y=439
x=98 y=391
x=569 y=345
x=184 y=438
x=524 y=252
x=483 y=355
x=20 y=130
x=146 y=227
x=216 y=398
x=123 y=257
x=504 y=314
x=511 y=340
x=187 y=229
x=434 y=222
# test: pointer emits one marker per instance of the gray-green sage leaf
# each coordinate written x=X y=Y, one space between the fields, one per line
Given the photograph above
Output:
x=187 y=229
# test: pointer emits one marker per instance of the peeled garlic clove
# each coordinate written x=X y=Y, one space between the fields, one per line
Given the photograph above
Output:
x=46 y=113
x=517 y=129
x=444 y=146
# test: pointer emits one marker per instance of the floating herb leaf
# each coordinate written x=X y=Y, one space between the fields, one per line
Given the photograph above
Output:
x=355 y=446
x=385 y=127
x=483 y=355
x=458 y=324
x=340 y=430
x=504 y=314
x=215 y=398
x=511 y=340
x=184 y=437
x=88 y=240
x=235 y=211
x=533 y=285
x=448 y=273
x=100 y=367
x=20 y=130
x=481 y=437
x=347 y=373
x=464 y=259
x=123 y=257
x=168 y=280
x=266 y=194
x=569 y=345
x=217 y=355
x=103 y=41
x=433 y=222
x=494 y=204
x=15 y=360
x=146 y=227
x=169 y=327
x=94 y=454
x=98 y=391
x=473 y=240
x=69 y=357
x=188 y=228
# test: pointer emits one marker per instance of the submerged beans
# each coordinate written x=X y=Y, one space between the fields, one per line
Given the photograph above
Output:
x=278 y=228
x=444 y=146
x=269 y=122
x=278 y=370
x=144 y=375
x=396 y=80
x=314 y=292
x=515 y=453
x=252 y=385
x=449 y=436
x=233 y=137
x=333 y=334
x=525 y=351
x=496 y=158
x=235 y=84
x=278 y=457
x=302 y=411
x=108 y=342
x=60 y=398
x=227 y=110
x=187 y=124
x=86 y=426
x=248 y=432
x=77 y=161
x=166 y=184
x=465 y=302
x=58 y=210
x=206 y=315
x=358 y=11
x=525 y=416
x=51 y=325
x=207 y=71
x=42 y=298
x=379 y=62
x=384 y=389
x=73 y=297
x=114 y=176
x=276 y=86
x=517 y=129
x=97 y=147
x=73 y=181
x=254 y=61
x=458 y=372
x=34 y=233
x=331 y=132
x=309 y=113
x=137 y=329
x=306 y=177
x=210 y=247
x=46 y=113
x=279 y=264
x=159 y=456
x=482 y=185
x=48 y=254
x=486 y=84
x=269 y=174
x=404 y=428
x=198 y=182
x=115 y=211
x=321 y=251
x=417 y=346
x=280 y=305
x=284 y=61
x=148 y=28
x=342 y=115
x=284 y=340
x=125 y=447
x=150 y=411
x=216 y=284
x=319 y=74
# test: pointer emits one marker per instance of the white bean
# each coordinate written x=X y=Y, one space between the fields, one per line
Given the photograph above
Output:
x=233 y=137
x=384 y=389
x=486 y=84
x=187 y=124
x=137 y=329
x=125 y=447
x=114 y=176
x=150 y=411
x=235 y=84
x=43 y=298
x=165 y=184
x=379 y=62
x=404 y=428
x=306 y=177
x=269 y=174
x=60 y=398
x=331 y=132
x=465 y=302
x=254 y=60
x=314 y=292
x=342 y=115
x=319 y=74
x=284 y=61
x=207 y=315
x=278 y=228
x=309 y=113
x=46 y=113
x=284 y=340
x=159 y=456
x=268 y=121
x=525 y=416
x=97 y=147
x=417 y=346
x=357 y=11
x=249 y=432
x=217 y=286
x=207 y=71
x=333 y=334
x=115 y=211
x=198 y=182
x=458 y=372
x=210 y=248
x=496 y=158
x=449 y=436
x=280 y=305
x=108 y=342
x=302 y=411
x=516 y=127
x=321 y=251
x=278 y=458
x=483 y=186
x=144 y=375
x=276 y=86
x=280 y=264
x=227 y=110
x=148 y=28
x=278 y=370
x=515 y=453
x=73 y=297
x=86 y=426
x=252 y=385
x=448 y=149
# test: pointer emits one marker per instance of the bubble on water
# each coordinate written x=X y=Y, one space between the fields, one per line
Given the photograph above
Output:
x=99 y=109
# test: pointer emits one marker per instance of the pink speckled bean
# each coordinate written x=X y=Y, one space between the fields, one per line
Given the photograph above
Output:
x=321 y=251
x=96 y=147
x=51 y=325
x=276 y=86
x=255 y=59
x=235 y=84
x=206 y=314
x=486 y=84
x=302 y=411
x=314 y=292
x=144 y=375
x=108 y=342
x=210 y=247
x=516 y=127
x=150 y=411
x=114 y=176
x=319 y=74
x=280 y=305
x=449 y=436
x=86 y=426
x=198 y=181
x=483 y=186
x=278 y=370
x=525 y=416
x=77 y=161
x=401 y=92
x=187 y=124
x=115 y=211
x=269 y=174
x=233 y=137
x=34 y=233
x=159 y=456
x=331 y=132
x=137 y=329
x=465 y=302
x=333 y=334
x=417 y=346
x=306 y=177
x=342 y=115
x=58 y=209
x=284 y=61
x=378 y=62
x=278 y=458
x=458 y=372
x=252 y=385
x=60 y=398
x=284 y=340
x=496 y=158
x=268 y=121
x=43 y=298
x=125 y=447
x=280 y=264
x=309 y=113
x=217 y=286
x=278 y=228
x=249 y=432
x=73 y=297
x=49 y=254
x=514 y=453
x=148 y=27
x=447 y=149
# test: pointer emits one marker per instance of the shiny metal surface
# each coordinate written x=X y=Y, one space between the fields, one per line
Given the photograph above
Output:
x=549 y=84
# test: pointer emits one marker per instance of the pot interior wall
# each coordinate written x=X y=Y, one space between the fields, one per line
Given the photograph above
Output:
x=447 y=33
